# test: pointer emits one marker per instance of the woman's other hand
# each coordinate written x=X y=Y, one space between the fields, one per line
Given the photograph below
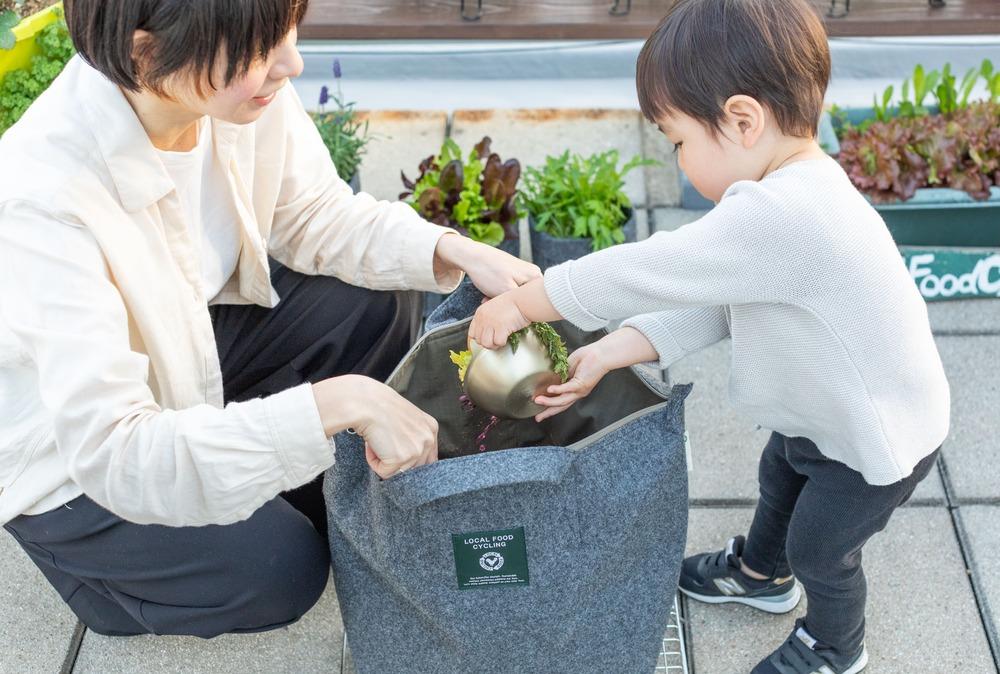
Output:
x=398 y=434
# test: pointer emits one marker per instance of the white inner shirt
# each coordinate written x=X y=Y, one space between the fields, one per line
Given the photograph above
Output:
x=212 y=221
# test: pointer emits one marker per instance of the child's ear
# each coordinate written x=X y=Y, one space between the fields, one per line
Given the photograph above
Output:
x=745 y=116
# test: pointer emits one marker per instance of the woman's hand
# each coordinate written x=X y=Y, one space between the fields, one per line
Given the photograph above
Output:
x=495 y=320
x=398 y=435
x=587 y=366
x=491 y=270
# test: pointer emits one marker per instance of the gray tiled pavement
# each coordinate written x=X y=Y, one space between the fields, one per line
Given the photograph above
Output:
x=971 y=451
x=982 y=529
x=36 y=627
x=923 y=615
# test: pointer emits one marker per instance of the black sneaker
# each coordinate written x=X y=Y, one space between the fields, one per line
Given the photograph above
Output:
x=802 y=654
x=716 y=578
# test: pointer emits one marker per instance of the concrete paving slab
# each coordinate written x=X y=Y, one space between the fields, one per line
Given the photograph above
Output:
x=669 y=219
x=311 y=645
x=402 y=139
x=921 y=613
x=530 y=135
x=726 y=446
x=662 y=181
x=965 y=316
x=971 y=449
x=36 y=626
x=982 y=528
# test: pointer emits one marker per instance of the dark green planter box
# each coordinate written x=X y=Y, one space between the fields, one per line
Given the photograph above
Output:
x=953 y=273
x=944 y=217
x=938 y=216
x=548 y=251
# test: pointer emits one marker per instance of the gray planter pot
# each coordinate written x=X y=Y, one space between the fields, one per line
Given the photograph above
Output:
x=556 y=551
x=355 y=182
x=433 y=300
x=548 y=251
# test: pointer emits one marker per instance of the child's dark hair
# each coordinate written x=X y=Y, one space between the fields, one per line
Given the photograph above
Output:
x=187 y=37
x=705 y=51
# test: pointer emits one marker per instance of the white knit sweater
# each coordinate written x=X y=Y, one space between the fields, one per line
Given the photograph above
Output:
x=830 y=336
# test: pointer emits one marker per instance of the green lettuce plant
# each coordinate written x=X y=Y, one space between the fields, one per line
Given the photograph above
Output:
x=890 y=160
x=475 y=195
x=576 y=197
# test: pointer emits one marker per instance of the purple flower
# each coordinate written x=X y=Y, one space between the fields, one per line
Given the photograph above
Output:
x=324 y=95
x=336 y=68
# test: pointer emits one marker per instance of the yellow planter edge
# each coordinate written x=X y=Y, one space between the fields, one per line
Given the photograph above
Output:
x=24 y=33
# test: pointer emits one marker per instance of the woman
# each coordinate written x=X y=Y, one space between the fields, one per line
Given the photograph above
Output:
x=141 y=198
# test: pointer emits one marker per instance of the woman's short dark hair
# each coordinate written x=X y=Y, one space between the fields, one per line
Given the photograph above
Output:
x=187 y=37
x=705 y=51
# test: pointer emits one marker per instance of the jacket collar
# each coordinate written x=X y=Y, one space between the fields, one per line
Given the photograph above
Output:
x=136 y=170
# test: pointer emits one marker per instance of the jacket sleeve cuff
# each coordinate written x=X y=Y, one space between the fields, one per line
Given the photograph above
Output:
x=419 y=249
x=297 y=433
x=667 y=348
x=560 y=292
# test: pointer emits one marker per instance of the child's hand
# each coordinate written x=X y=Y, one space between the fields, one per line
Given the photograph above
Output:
x=587 y=367
x=496 y=320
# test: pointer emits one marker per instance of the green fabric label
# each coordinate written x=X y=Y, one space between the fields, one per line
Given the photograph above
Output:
x=490 y=558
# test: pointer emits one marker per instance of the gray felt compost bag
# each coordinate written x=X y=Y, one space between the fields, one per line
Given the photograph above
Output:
x=556 y=550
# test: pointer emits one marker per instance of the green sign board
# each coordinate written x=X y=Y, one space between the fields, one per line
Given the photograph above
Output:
x=954 y=273
x=490 y=558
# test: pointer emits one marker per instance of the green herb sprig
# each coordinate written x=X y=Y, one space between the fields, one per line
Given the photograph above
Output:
x=553 y=343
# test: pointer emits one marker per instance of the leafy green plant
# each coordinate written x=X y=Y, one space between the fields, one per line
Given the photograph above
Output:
x=890 y=160
x=576 y=197
x=475 y=196
x=949 y=94
x=19 y=88
x=344 y=136
x=992 y=80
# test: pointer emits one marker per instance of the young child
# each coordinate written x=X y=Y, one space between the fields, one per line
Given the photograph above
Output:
x=831 y=346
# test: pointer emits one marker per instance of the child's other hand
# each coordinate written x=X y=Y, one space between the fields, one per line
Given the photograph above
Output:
x=587 y=367
x=496 y=320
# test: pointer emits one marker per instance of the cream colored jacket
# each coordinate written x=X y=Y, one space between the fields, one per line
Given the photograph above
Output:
x=109 y=375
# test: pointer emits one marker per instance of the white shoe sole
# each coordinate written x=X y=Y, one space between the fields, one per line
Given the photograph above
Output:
x=860 y=664
x=782 y=606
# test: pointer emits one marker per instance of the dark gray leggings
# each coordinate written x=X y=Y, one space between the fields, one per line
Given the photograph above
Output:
x=813 y=518
x=122 y=578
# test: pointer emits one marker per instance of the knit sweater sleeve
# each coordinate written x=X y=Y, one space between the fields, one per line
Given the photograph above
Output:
x=679 y=332
x=744 y=250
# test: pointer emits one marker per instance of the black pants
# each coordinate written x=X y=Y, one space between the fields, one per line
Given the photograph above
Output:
x=813 y=518
x=122 y=578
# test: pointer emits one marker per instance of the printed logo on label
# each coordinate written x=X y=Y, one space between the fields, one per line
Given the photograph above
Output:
x=490 y=558
x=491 y=561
